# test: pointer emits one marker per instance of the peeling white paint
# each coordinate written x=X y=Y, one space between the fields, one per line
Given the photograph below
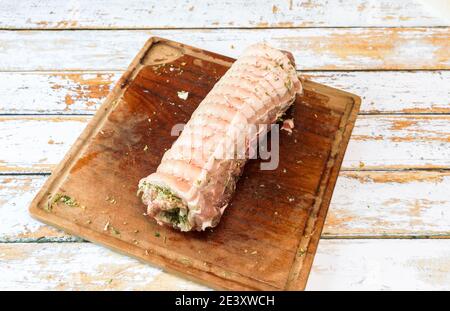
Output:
x=378 y=142
x=313 y=48
x=79 y=266
x=48 y=92
x=339 y=265
x=381 y=265
x=191 y=14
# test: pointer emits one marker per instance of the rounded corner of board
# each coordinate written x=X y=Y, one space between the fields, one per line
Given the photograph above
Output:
x=34 y=211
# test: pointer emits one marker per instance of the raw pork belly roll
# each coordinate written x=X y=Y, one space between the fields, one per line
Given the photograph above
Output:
x=195 y=181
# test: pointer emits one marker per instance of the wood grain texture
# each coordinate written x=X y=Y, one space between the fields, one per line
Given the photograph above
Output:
x=373 y=265
x=32 y=14
x=313 y=48
x=400 y=142
x=82 y=92
x=365 y=204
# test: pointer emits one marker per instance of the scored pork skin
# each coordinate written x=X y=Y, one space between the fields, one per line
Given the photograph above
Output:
x=194 y=181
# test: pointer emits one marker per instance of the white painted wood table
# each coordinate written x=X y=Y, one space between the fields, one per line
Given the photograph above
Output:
x=389 y=222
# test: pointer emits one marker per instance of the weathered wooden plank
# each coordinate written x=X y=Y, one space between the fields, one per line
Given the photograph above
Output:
x=16 y=224
x=381 y=265
x=82 y=92
x=339 y=265
x=411 y=92
x=35 y=144
x=313 y=48
x=79 y=266
x=54 y=93
x=389 y=204
x=399 y=142
x=378 y=142
x=364 y=204
x=32 y=14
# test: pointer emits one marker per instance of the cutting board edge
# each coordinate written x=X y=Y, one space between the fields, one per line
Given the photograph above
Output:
x=300 y=281
x=62 y=169
x=137 y=253
x=99 y=116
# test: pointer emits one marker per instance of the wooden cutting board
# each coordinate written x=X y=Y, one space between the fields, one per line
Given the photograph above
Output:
x=269 y=234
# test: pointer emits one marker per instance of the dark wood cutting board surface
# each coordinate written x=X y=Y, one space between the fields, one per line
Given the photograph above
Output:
x=269 y=234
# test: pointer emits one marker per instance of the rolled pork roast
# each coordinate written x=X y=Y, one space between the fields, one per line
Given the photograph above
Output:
x=197 y=177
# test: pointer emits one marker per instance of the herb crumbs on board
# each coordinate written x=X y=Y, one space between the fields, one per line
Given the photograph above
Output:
x=185 y=261
x=61 y=198
x=114 y=230
x=111 y=229
x=301 y=252
x=157 y=234
x=111 y=200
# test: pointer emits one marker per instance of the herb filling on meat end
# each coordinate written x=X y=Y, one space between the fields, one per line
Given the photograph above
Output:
x=170 y=209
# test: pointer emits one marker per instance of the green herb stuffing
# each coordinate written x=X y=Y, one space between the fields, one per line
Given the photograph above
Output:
x=166 y=193
x=174 y=216
x=162 y=192
x=177 y=214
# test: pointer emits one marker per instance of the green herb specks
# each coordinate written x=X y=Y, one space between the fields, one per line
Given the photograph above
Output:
x=60 y=198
